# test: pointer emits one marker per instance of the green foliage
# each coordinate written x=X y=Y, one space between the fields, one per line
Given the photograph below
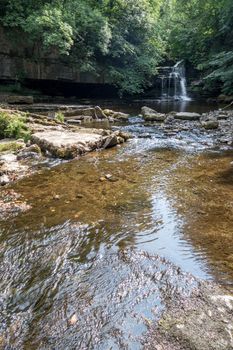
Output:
x=202 y=33
x=123 y=38
x=13 y=126
x=127 y=39
x=59 y=117
x=221 y=70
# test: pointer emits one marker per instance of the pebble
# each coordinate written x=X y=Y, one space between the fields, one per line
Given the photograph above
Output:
x=73 y=319
x=4 y=180
x=57 y=197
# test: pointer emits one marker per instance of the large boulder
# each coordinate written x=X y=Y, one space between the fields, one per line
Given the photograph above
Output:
x=67 y=144
x=151 y=115
x=187 y=116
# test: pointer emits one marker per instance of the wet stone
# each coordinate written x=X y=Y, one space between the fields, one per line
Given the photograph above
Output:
x=187 y=116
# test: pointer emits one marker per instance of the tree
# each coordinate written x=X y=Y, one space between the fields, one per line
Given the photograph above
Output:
x=122 y=37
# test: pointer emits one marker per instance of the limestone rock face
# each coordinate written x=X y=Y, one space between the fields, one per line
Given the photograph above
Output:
x=187 y=116
x=151 y=115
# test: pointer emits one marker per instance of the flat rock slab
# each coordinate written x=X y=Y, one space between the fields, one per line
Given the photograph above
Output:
x=67 y=144
x=187 y=116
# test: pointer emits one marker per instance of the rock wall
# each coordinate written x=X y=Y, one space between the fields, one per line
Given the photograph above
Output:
x=21 y=58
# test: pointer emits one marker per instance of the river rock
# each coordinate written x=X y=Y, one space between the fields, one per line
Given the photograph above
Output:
x=74 y=121
x=111 y=141
x=16 y=99
x=151 y=115
x=33 y=148
x=99 y=114
x=124 y=135
x=222 y=116
x=120 y=116
x=210 y=124
x=68 y=144
x=91 y=112
x=187 y=116
x=116 y=115
x=33 y=151
x=4 y=180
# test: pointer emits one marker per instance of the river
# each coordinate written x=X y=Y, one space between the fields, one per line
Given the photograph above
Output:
x=77 y=268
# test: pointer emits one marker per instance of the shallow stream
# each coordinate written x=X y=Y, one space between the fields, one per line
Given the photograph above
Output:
x=78 y=268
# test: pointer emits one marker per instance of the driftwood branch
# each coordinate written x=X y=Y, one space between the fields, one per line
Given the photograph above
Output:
x=227 y=106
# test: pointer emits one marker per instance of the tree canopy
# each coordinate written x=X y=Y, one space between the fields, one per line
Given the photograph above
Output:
x=130 y=38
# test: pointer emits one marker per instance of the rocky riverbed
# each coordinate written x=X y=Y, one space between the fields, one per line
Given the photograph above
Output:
x=218 y=124
x=130 y=247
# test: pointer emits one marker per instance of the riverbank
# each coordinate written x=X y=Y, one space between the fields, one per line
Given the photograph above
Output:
x=50 y=136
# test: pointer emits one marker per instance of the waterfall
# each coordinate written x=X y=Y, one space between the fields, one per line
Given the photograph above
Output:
x=173 y=82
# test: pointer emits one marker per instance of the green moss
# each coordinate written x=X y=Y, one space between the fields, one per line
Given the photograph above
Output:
x=10 y=146
x=59 y=117
x=13 y=126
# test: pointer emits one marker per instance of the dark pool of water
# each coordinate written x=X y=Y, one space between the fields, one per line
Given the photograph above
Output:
x=134 y=106
x=87 y=266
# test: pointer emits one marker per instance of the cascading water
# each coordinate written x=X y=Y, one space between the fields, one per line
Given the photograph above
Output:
x=173 y=82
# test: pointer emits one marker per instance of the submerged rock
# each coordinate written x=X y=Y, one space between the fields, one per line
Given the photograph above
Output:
x=187 y=116
x=32 y=151
x=203 y=321
x=151 y=115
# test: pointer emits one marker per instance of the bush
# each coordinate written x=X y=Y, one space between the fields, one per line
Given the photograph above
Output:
x=13 y=126
x=59 y=117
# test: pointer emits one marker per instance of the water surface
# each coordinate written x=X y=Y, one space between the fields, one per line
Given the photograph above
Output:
x=94 y=241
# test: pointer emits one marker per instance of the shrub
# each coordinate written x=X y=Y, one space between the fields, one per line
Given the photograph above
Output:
x=59 y=117
x=13 y=126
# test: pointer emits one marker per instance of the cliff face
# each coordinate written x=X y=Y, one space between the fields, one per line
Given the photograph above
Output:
x=22 y=58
